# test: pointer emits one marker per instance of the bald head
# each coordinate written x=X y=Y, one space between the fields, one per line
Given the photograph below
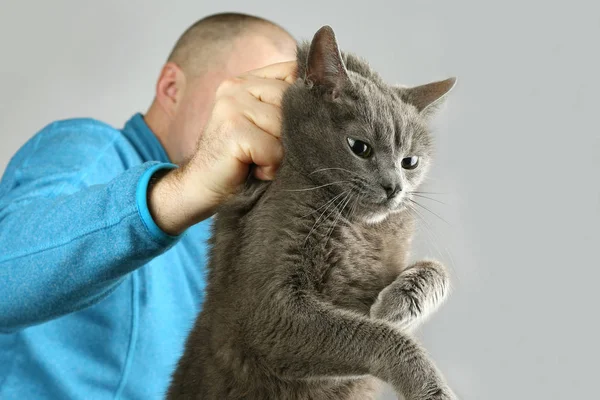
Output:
x=212 y=41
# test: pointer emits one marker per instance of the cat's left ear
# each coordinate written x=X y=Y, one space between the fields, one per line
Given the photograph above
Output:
x=325 y=67
x=426 y=97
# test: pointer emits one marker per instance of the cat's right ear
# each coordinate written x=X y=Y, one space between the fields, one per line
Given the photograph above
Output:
x=325 y=66
x=427 y=97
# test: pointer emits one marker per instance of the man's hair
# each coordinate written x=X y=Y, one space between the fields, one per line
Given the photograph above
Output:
x=209 y=39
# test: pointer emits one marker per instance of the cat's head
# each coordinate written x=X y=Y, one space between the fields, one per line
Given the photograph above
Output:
x=348 y=130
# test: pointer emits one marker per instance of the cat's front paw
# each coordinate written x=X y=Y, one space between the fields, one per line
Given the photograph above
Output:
x=430 y=282
x=414 y=295
x=443 y=393
x=439 y=393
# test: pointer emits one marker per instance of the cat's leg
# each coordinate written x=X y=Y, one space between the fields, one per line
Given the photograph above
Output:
x=304 y=338
x=414 y=295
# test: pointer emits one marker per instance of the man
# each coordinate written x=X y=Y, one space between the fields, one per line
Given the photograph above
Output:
x=102 y=238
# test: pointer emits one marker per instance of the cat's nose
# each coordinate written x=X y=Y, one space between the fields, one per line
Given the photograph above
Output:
x=392 y=190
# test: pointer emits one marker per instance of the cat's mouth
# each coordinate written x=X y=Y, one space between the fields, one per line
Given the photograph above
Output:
x=380 y=210
x=391 y=204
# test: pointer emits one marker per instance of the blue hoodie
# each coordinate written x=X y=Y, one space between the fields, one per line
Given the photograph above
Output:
x=96 y=300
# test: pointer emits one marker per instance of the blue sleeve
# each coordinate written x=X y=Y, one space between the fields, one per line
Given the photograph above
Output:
x=66 y=244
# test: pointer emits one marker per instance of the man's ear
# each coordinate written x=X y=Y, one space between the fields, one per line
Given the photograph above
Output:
x=170 y=87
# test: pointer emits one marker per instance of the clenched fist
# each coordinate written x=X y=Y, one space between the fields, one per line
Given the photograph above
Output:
x=244 y=128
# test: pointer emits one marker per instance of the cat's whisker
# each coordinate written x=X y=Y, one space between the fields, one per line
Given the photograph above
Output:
x=355 y=205
x=427 y=209
x=361 y=185
x=339 y=213
x=330 y=231
x=326 y=203
x=358 y=177
x=427 y=229
x=324 y=211
x=336 y=168
x=432 y=178
x=346 y=204
x=433 y=237
x=316 y=187
x=428 y=198
x=347 y=207
x=421 y=192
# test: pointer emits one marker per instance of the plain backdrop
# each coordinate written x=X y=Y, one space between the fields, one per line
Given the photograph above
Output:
x=518 y=152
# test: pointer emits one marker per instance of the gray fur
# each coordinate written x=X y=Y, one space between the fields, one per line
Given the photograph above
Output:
x=310 y=294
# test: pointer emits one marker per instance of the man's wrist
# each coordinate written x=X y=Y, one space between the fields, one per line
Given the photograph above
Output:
x=176 y=203
x=163 y=202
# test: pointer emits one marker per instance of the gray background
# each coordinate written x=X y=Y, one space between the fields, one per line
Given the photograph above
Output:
x=518 y=152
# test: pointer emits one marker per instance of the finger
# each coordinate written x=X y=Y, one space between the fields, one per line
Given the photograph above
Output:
x=266 y=173
x=267 y=90
x=258 y=147
x=284 y=71
x=265 y=116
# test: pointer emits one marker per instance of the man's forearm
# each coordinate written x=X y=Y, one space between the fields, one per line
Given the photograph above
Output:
x=58 y=255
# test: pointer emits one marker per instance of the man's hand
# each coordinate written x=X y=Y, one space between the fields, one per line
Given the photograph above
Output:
x=244 y=128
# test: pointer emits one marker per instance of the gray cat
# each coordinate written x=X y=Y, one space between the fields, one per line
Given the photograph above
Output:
x=310 y=295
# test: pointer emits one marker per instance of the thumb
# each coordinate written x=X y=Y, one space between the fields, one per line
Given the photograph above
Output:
x=265 y=172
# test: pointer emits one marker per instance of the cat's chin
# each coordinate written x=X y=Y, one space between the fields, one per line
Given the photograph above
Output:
x=380 y=216
x=376 y=218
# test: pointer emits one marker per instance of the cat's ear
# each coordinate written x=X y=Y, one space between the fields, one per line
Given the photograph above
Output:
x=325 y=66
x=426 y=97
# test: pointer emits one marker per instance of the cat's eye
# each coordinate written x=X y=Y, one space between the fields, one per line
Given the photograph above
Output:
x=410 y=162
x=360 y=148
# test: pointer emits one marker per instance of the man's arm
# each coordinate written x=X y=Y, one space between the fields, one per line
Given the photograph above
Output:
x=63 y=245
x=63 y=252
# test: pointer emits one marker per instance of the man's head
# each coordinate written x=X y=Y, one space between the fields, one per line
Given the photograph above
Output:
x=213 y=49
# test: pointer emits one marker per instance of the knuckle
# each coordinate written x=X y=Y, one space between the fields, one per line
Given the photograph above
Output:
x=229 y=83
x=233 y=128
x=225 y=106
x=228 y=126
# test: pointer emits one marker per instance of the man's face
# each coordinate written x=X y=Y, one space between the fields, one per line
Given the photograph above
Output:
x=247 y=54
